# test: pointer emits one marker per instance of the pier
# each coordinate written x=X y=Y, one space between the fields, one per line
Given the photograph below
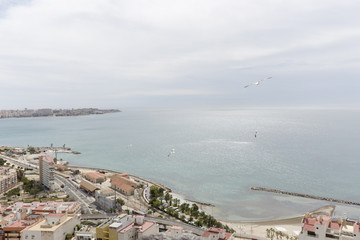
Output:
x=305 y=195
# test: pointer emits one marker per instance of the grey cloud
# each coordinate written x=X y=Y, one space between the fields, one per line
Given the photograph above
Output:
x=141 y=52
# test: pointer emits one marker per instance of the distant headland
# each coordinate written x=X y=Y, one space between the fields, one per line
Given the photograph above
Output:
x=48 y=112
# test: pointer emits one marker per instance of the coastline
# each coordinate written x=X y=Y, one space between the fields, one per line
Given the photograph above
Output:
x=291 y=225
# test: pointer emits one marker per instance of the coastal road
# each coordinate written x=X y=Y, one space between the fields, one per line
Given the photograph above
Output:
x=75 y=193
x=85 y=200
x=17 y=162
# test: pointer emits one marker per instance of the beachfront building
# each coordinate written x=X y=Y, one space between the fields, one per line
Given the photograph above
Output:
x=88 y=187
x=60 y=167
x=216 y=234
x=8 y=179
x=329 y=228
x=123 y=184
x=54 y=226
x=46 y=170
x=95 y=177
x=105 y=199
x=126 y=227
x=124 y=178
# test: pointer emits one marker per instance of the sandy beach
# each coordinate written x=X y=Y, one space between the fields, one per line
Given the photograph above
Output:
x=290 y=226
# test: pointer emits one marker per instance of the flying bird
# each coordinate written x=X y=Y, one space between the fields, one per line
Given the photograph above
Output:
x=257 y=83
x=171 y=152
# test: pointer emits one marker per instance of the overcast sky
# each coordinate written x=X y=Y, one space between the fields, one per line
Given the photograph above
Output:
x=123 y=54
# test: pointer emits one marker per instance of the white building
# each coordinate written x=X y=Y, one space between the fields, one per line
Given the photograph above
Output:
x=328 y=228
x=216 y=234
x=46 y=169
x=105 y=199
x=84 y=236
x=55 y=226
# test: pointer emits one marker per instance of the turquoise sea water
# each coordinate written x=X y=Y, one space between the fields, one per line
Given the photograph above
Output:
x=217 y=158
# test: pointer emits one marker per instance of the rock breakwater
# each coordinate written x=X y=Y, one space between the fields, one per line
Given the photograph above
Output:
x=304 y=195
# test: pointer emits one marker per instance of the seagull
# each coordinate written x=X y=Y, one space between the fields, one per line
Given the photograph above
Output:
x=129 y=146
x=171 y=152
x=257 y=83
x=256 y=133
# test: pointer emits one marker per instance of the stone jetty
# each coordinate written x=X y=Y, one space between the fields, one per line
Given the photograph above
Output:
x=304 y=195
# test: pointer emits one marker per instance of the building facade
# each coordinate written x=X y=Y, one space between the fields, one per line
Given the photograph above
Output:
x=55 y=226
x=95 y=177
x=8 y=179
x=105 y=199
x=127 y=227
x=217 y=234
x=46 y=170
x=329 y=228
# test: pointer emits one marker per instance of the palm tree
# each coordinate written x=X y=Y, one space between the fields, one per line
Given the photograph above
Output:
x=268 y=233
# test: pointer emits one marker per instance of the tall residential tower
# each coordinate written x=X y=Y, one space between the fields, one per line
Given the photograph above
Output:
x=46 y=169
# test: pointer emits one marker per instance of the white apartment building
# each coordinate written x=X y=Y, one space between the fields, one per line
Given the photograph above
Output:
x=55 y=226
x=46 y=169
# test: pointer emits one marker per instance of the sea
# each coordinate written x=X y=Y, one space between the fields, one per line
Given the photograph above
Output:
x=217 y=158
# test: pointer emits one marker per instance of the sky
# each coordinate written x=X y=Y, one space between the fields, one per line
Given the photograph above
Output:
x=156 y=53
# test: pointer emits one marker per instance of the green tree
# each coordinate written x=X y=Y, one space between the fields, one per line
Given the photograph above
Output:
x=120 y=201
x=167 y=197
x=2 y=162
x=13 y=192
x=195 y=207
x=31 y=150
x=20 y=174
x=198 y=223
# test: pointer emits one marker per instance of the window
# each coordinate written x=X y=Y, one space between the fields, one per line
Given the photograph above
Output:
x=332 y=236
x=311 y=233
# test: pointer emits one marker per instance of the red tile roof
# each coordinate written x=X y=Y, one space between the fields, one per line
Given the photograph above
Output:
x=309 y=227
x=146 y=226
x=95 y=175
x=228 y=235
x=356 y=227
x=121 y=185
x=47 y=159
x=213 y=230
x=127 y=228
x=334 y=225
